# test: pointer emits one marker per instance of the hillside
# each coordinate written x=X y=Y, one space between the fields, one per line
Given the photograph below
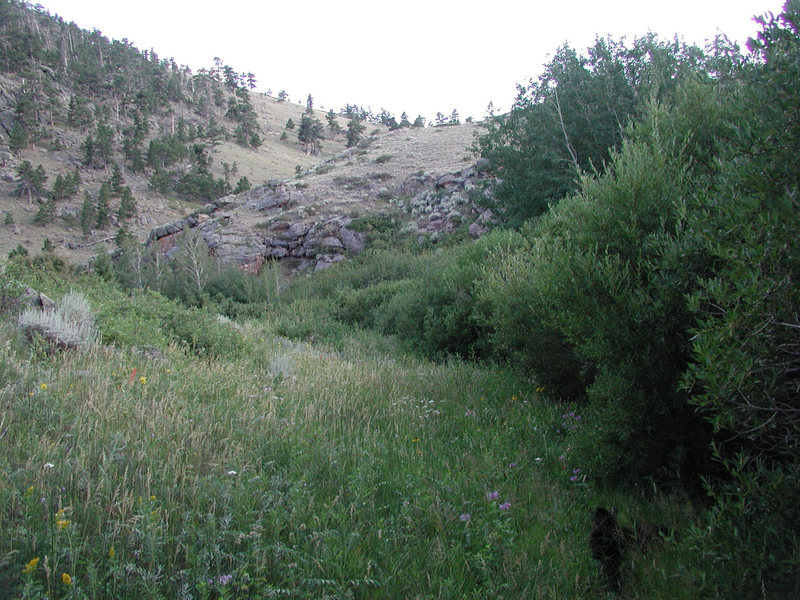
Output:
x=79 y=103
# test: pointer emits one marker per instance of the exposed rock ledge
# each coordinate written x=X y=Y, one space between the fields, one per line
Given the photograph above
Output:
x=232 y=230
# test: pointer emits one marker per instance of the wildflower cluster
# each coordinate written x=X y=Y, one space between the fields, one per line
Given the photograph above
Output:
x=569 y=421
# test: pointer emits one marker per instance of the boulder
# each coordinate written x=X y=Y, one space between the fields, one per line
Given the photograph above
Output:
x=352 y=240
x=332 y=243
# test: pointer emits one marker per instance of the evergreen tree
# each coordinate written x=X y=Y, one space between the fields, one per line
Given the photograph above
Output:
x=17 y=137
x=333 y=123
x=419 y=121
x=123 y=237
x=242 y=185
x=404 y=122
x=127 y=205
x=290 y=124
x=88 y=214
x=117 y=182
x=355 y=129
x=102 y=214
x=283 y=96
x=59 y=188
x=440 y=119
x=310 y=134
x=31 y=180
x=310 y=105
x=103 y=139
x=48 y=247
x=46 y=212
x=454 y=118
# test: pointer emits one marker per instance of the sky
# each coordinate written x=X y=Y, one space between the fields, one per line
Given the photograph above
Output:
x=418 y=56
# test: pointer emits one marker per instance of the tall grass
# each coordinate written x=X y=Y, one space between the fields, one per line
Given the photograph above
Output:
x=291 y=470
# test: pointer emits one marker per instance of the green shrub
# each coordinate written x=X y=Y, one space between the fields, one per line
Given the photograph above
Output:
x=748 y=545
x=594 y=304
x=357 y=306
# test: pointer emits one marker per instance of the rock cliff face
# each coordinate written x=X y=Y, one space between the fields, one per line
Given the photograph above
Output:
x=237 y=233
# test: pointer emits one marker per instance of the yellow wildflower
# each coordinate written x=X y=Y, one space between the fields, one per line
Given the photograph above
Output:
x=143 y=380
x=66 y=579
x=152 y=498
x=63 y=523
x=43 y=386
x=29 y=491
x=59 y=513
x=30 y=567
x=111 y=552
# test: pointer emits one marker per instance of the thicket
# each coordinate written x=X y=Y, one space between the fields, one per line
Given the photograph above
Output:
x=660 y=294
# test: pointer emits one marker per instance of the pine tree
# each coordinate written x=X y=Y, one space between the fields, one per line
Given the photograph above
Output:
x=17 y=137
x=290 y=124
x=404 y=122
x=123 y=238
x=355 y=128
x=127 y=205
x=242 y=185
x=102 y=216
x=31 y=180
x=309 y=134
x=59 y=188
x=310 y=105
x=333 y=123
x=46 y=212
x=88 y=214
x=117 y=181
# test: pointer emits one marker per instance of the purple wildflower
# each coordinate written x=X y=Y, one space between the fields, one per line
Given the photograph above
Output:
x=225 y=579
x=505 y=505
x=512 y=465
x=492 y=495
x=465 y=517
x=469 y=413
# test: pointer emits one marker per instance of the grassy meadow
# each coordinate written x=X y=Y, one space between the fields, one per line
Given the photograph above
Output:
x=243 y=464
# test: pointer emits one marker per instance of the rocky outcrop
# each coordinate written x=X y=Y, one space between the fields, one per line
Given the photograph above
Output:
x=227 y=228
x=254 y=227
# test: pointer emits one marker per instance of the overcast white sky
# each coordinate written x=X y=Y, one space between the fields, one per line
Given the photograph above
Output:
x=419 y=56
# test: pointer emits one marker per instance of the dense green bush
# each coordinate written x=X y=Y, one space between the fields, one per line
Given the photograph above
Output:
x=594 y=305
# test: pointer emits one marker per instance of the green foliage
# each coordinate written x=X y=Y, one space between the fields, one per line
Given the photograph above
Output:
x=567 y=123
x=79 y=114
x=242 y=185
x=571 y=305
x=88 y=214
x=20 y=251
x=17 y=137
x=310 y=134
x=127 y=205
x=31 y=180
x=747 y=545
x=355 y=129
x=46 y=212
x=102 y=208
